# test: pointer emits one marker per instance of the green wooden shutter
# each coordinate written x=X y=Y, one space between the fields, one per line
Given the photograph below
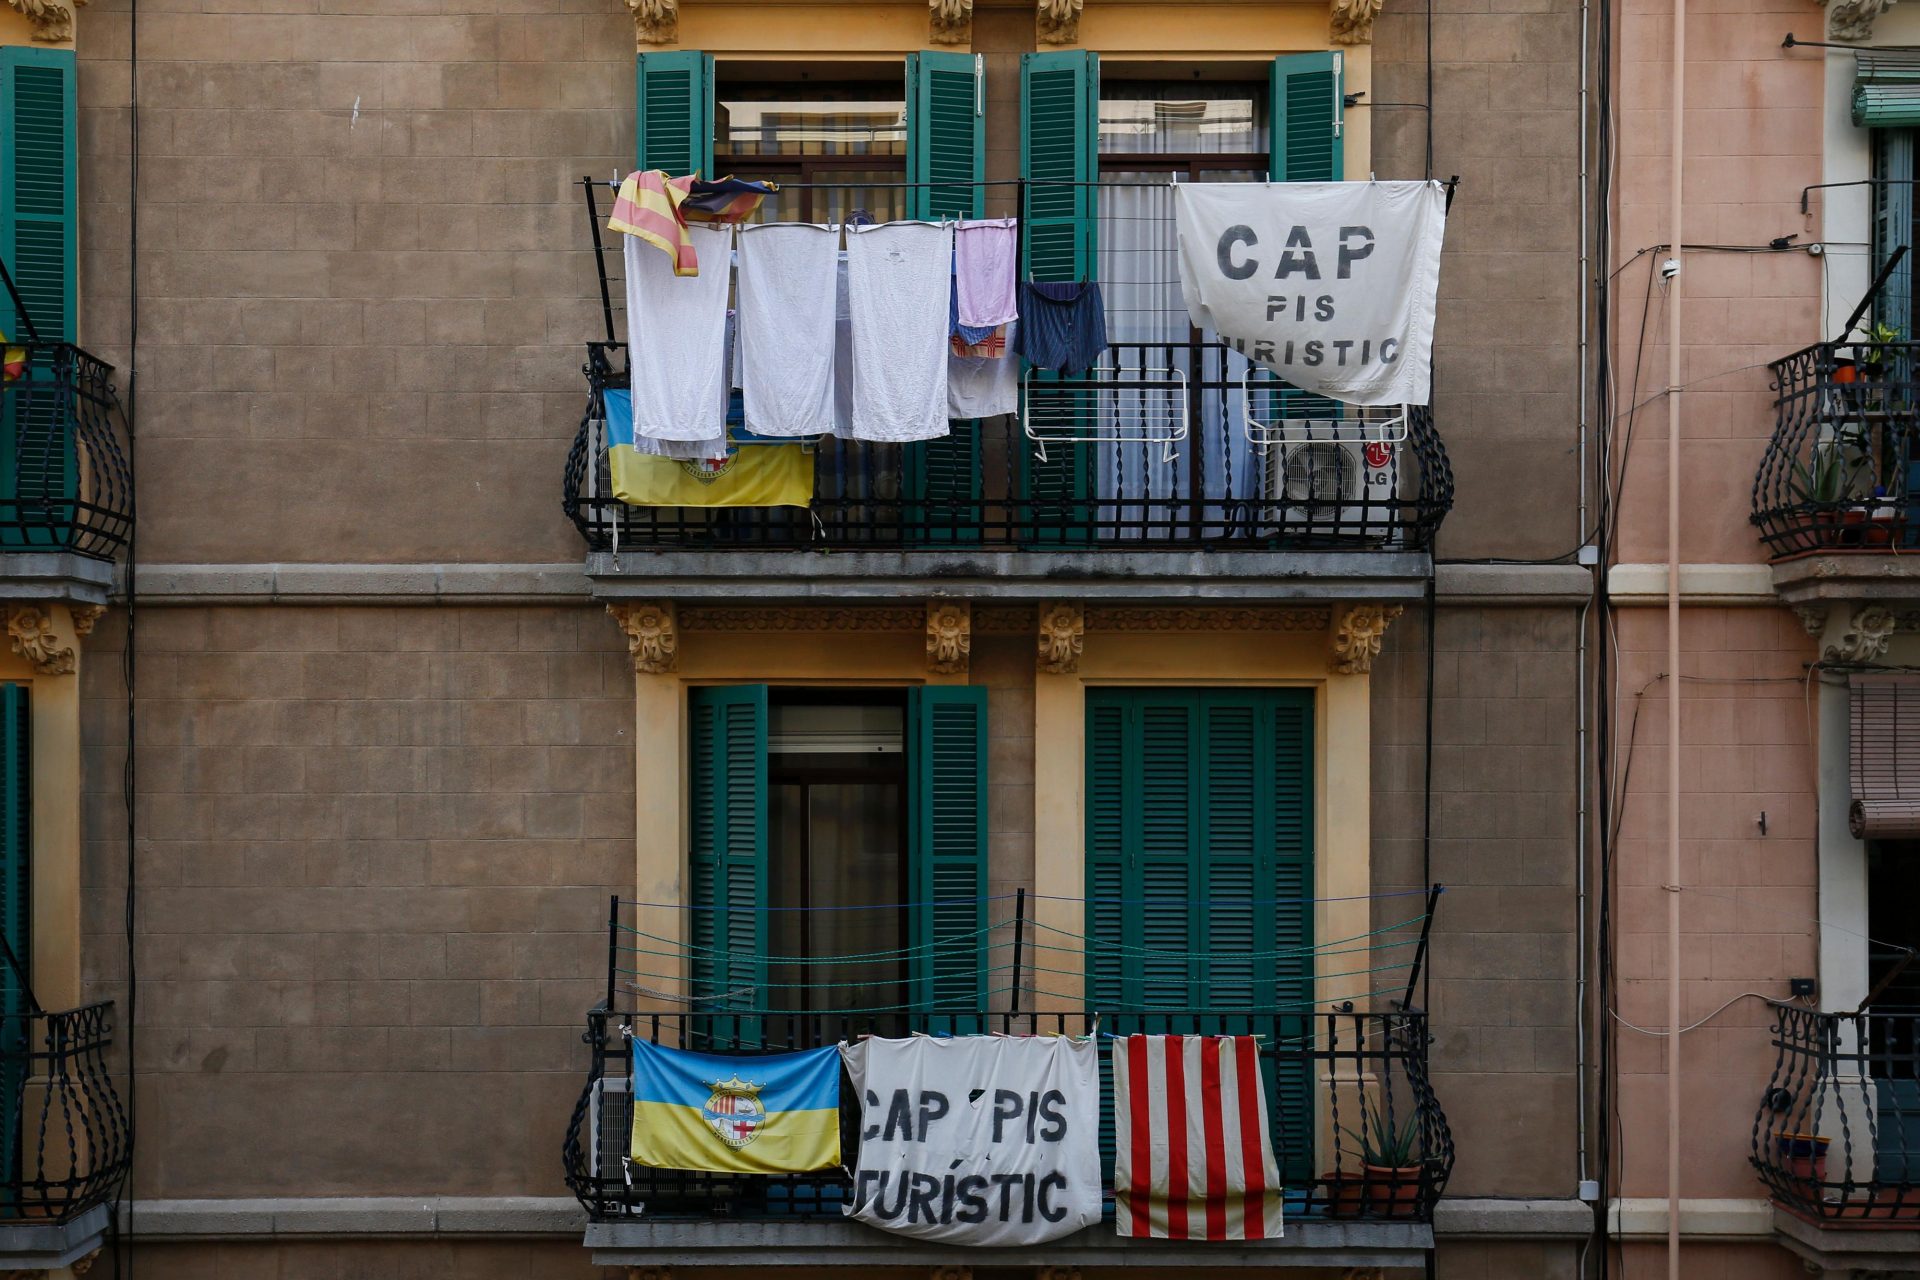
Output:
x=1893 y=225
x=1289 y=728
x=948 y=818
x=16 y=846
x=727 y=862
x=946 y=143
x=38 y=242
x=946 y=135
x=1059 y=157
x=674 y=97
x=1307 y=116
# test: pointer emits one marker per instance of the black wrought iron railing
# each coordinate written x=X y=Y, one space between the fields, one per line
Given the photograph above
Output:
x=64 y=1137
x=1326 y=485
x=1837 y=1136
x=1842 y=471
x=1353 y=1065
x=66 y=459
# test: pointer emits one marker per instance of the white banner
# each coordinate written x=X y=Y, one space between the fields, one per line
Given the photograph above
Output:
x=1332 y=285
x=981 y=1140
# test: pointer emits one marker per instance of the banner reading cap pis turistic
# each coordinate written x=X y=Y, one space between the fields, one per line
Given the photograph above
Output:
x=1332 y=285
x=977 y=1140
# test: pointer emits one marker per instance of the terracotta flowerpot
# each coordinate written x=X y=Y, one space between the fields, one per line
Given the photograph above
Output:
x=1393 y=1191
x=1845 y=371
x=1804 y=1157
x=1346 y=1194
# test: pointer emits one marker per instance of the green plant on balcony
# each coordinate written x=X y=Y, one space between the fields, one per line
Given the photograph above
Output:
x=1391 y=1156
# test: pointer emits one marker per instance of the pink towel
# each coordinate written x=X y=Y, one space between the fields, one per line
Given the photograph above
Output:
x=984 y=253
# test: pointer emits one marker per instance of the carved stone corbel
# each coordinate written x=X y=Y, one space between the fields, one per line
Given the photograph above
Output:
x=950 y=21
x=33 y=637
x=649 y=1273
x=1813 y=617
x=654 y=21
x=1357 y=636
x=84 y=616
x=653 y=638
x=948 y=1271
x=52 y=19
x=1058 y=21
x=1063 y=634
x=1351 y=21
x=1853 y=19
x=1057 y=1272
x=1865 y=636
x=949 y=636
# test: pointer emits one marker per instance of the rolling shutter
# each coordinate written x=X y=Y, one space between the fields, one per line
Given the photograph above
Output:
x=946 y=143
x=38 y=241
x=1200 y=872
x=1307 y=117
x=674 y=98
x=727 y=861
x=1059 y=157
x=948 y=817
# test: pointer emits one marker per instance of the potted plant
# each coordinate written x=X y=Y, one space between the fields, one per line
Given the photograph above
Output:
x=1346 y=1193
x=1804 y=1157
x=1878 y=337
x=1390 y=1155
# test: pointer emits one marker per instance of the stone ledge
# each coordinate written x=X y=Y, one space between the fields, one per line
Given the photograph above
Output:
x=1190 y=577
x=1848 y=575
x=1645 y=585
x=1645 y=1218
x=1317 y=1243
x=351 y=1216
x=54 y=575
x=35 y=1246
x=1489 y=1219
x=1840 y=1252
x=1513 y=584
x=427 y=583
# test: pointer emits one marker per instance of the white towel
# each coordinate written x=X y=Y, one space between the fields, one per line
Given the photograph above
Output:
x=788 y=273
x=898 y=278
x=981 y=387
x=983 y=271
x=677 y=340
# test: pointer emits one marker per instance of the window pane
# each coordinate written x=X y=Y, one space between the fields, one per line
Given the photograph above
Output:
x=1162 y=119
x=804 y=120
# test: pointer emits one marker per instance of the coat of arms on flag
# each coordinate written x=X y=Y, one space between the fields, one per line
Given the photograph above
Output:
x=779 y=1113
x=1193 y=1156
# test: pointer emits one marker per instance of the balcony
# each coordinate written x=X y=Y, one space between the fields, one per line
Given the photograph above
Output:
x=1837 y=1137
x=63 y=1135
x=1175 y=468
x=66 y=475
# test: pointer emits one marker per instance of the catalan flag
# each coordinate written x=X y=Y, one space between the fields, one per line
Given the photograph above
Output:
x=703 y=1111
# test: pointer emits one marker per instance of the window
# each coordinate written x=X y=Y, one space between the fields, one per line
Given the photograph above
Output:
x=832 y=800
x=843 y=147
x=1893 y=224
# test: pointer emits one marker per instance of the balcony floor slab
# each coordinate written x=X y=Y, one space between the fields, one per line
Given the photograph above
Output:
x=1840 y=1251
x=36 y=1246
x=1189 y=577
x=1316 y=1243
x=59 y=576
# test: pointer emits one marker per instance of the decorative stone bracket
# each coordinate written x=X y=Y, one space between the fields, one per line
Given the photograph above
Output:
x=950 y=21
x=654 y=21
x=52 y=19
x=1058 y=21
x=949 y=636
x=653 y=636
x=1357 y=636
x=1063 y=635
x=30 y=630
x=1853 y=19
x=1865 y=637
x=1351 y=21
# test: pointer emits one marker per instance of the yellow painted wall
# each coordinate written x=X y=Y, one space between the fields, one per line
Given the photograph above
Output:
x=15 y=29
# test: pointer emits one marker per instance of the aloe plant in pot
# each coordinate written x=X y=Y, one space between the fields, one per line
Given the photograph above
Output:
x=1390 y=1153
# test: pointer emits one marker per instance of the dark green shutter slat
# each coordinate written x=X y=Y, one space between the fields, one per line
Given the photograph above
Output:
x=1059 y=157
x=16 y=912
x=943 y=484
x=727 y=860
x=38 y=242
x=674 y=95
x=946 y=137
x=1308 y=117
x=949 y=825
x=1290 y=716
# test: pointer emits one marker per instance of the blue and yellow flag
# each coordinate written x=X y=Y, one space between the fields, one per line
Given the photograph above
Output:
x=750 y=475
x=777 y=1114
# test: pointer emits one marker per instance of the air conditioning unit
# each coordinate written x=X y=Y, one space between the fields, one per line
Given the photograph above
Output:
x=1332 y=488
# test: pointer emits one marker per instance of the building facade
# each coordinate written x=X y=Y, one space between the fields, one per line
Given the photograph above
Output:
x=441 y=779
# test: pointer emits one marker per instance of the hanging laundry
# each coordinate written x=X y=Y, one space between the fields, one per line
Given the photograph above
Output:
x=1192 y=1152
x=982 y=386
x=657 y=208
x=965 y=335
x=991 y=347
x=677 y=341
x=899 y=275
x=729 y=199
x=1064 y=325
x=788 y=276
x=774 y=1114
x=985 y=252
x=618 y=403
